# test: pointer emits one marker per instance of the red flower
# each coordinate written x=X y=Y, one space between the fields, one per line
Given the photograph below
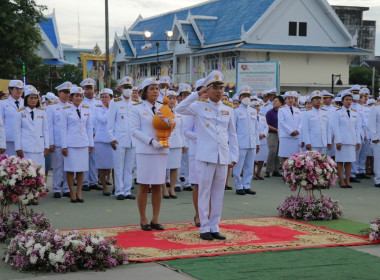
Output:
x=43 y=194
x=14 y=197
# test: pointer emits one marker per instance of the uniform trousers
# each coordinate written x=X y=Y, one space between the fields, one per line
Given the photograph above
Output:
x=184 y=171
x=91 y=176
x=10 y=149
x=321 y=150
x=355 y=164
x=245 y=163
x=212 y=179
x=364 y=152
x=59 y=176
x=124 y=161
x=376 y=164
x=273 y=161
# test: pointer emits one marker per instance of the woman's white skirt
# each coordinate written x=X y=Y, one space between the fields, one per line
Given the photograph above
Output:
x=151 y=168
x=346 y=154
x=174 y=158
x=262 y=155
x=76 y=160
x=103 y=156
x=193 y=172
x=37 y=158
x=288 y=146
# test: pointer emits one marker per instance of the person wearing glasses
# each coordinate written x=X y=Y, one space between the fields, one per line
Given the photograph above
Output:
x=217 y=148
x=53 y=113
x=8 y=111
x=77 y=141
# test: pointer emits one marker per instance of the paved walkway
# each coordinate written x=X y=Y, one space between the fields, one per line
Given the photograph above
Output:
x=362 y=203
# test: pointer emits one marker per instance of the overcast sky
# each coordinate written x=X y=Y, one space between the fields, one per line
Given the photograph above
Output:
x=122 y=13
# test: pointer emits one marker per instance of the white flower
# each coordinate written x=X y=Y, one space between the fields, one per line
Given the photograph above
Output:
x=32 y=172
x=303 y=183
x=67 y=243
x=57 y=238
x=30 y=196
x=2 y=172
x=24 y=201
x=30 y=243
x=95 y=240
x=374 y=227
x=30 y=250
x=37 y=246
x=52 y=258
x=112 y=249
x=6 y=258
x=89 y=249
x=12 y=182
x=1 y=194
x=42 y=252
x=318 y=170
x=33 y=259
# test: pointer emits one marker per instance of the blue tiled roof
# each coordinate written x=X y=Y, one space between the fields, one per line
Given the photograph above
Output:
x=303 y=48
x=48 y=27
x=151 y=59
x=216 y=49
x=55 y=62
x=127 y=47
x=192 y=36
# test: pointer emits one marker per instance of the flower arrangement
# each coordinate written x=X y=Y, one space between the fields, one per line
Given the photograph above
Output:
x=310 y=171
x=21 y=182
x=375 y=230
x=16 y=222
x=48 y=250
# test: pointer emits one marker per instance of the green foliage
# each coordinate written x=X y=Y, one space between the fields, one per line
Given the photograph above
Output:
x=20 y=37
x=363 y=76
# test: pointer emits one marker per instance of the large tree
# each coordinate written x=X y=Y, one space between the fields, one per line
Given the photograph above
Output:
x=19 y=36
x=363 y=76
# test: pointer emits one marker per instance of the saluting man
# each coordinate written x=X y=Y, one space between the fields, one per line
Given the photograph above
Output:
x=164 y=83
x=374 y=129
x=122 y=141
x=246 y=123
x=216 y=149
x=8 y=109
x=53 y=113
x=90 y=180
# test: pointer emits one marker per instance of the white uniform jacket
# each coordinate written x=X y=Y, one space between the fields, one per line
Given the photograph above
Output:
x=246 y=127
x=31 y=136
x=190 y=132
x=76 y=132
x=216 y=133
x=101 y=132
x=266 y=107
x=142 y=128
x=53 y=113
x=374 y=122
x=2 y=134
x=288 y=122
x=263 y=129
x=316 y=127
x=346 y=129
x=176 y=139
x=118 y=122
x=92 y=104
x=360 y=110
x=9 y=112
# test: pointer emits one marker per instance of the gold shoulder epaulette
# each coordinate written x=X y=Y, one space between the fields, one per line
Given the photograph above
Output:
x=20 y=109
x=353 y=109
x=98 y=105
x=85 y=106
x=308 y=109
x=339 y=109
x=70 y=102
x=137 y=103
x=337 y=106
x=117 y=99
x=282 y=106
x=41 y=108
x=203 y=100
x=53 y=103
x=135 y=100
x=266 y=104
x=261 y=114
x=323 y=109
x=228 y=104
x=68 y=106
x=377 y=104
x=3 y=98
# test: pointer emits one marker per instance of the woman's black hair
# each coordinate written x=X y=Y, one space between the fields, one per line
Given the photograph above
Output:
x=280 y=98
x=27 y=98
x=144 y=93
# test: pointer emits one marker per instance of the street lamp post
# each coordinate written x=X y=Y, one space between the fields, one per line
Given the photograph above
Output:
x=339 y=82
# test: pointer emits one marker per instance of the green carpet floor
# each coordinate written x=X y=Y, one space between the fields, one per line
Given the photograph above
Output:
x=319 y=263
x=344 y=225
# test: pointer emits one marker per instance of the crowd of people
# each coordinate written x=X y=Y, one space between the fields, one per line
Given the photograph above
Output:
x=87 y=140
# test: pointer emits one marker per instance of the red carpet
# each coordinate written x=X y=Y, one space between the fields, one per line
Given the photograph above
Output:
x=243 y=236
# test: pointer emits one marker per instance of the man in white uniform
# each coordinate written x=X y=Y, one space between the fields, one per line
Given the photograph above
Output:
x=118 y=127
x=216 y=149
x=374 y=129
x=164 y=83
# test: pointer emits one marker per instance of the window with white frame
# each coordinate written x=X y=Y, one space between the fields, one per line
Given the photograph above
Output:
x=143 y=70
x=212 y=62
x=154 y=69
x=229 y=60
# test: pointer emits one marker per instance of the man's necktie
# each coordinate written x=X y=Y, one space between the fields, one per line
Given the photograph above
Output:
x=154 y=110
x=78 y=112
x=291 y=110
x=32 y=115
x=348 y=113
x=17 y=102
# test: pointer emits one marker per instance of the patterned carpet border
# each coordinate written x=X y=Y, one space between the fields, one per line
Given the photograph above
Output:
x=247 y=235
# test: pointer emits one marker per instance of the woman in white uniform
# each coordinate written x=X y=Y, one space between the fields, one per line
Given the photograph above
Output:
x=31 y=130
x=262 y=155
x=151 y=156
x=103 y=149
x=176 y=148
x=346 y=123
x=77 y=141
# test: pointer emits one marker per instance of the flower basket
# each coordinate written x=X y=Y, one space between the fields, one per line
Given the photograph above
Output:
x=310 y=171
x=375 y=230
x=21 y=182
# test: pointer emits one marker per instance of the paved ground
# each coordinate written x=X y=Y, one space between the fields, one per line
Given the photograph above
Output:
x=362 y=203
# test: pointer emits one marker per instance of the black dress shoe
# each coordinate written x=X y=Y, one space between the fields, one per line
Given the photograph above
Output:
x=348 y=186
x=120 y=197
x=146 y=227
x=249 y=191
x=206 y=236
x=217 y=235
x=228 y=188
x=267 y=175
x=260 y=178
x=182 y=179
x=106 y=193
x=364 y=176
x=197 y=224
x=240 y=192
x=188 y=189
x=57 y=195
x=130 y=197
x=85 y=188
x=166 y=196
x=95 y=187
x=173 y=196
x=276 y=174
x=108 y=183
x=34 y=202
x=343 y=186
x=354 y=180
x=156 y=226
x=177 y=189
x=80 y=200
x=377 y=185
x=73 y=200
x=66 y=194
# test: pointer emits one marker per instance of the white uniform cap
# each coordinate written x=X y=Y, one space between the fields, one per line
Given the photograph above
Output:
x=213 y=77
x=326 y=93
x=107 y=91
x=184 y=88
x=75 y=89
x=245 y=90
x=134 y=88
x=355 y=87
x=50 y=95
x=347 y=93
x=342 y=92
x=315 y=93
x=65 y=85
x=139 y=87
x=371 y=101
x=364 y=91
x=16 y=84
x=165 y=80
x=273 y=90
x=290 y=94
x=235 y=97
x=125 y=81
x=255 y=103
x=88 y=82
x=29 y=89
x=226 y=94
x=43 y=98
x=54 y=99
x=171 y=93
x=199 y=83
x=148 y=82
x=337 y=99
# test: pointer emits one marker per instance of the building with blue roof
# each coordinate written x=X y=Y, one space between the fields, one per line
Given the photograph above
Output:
x=306 y=38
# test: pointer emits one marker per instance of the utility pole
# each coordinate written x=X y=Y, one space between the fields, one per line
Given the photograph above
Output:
x=107 y=74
